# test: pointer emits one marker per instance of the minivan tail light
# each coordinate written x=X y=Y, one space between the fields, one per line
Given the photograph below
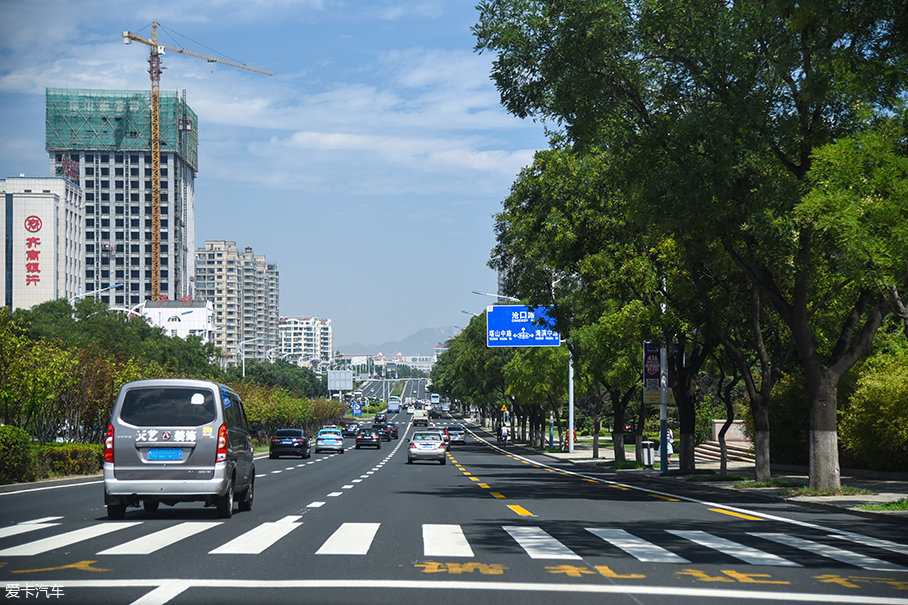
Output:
x=109 y=444
x=222 y=444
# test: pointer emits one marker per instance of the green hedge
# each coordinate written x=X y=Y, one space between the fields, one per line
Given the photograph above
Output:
x=22 y=461
x=17 y=463
x=63 y=459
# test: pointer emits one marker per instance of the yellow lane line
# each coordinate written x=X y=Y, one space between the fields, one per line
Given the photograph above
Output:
x=484 y=485
x=497 y=495
x=467 y=474
x=734 y=514
x=664 y=498
x=520 y=510
x=474 y=478
x=590 y=480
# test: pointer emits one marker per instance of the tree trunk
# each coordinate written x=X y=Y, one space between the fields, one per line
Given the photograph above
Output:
x=597 y=424
x=638 y=434
x=759 y=407
x=822 y=385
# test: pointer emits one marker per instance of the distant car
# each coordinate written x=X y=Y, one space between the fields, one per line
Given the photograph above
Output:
x=350 y=429
x=369 y=437
x=380 y=418
x=289 y=442
x=427 y=445
x=440 y=429
x=420 y=418
x=393 y=428
x=457 y=434
x=410 y=409
x=330 y=439
x=383 y=431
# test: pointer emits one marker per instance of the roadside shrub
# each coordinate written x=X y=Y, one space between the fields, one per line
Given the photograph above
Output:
x=64 y=459
x=16 y=461
x=873 y=429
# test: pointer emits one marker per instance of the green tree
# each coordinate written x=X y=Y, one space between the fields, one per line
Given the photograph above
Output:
x=717 y=109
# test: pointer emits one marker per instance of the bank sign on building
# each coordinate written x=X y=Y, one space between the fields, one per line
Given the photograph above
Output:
x=41 y=232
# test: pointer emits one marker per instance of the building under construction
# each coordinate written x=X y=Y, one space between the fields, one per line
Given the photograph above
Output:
x=101 y=138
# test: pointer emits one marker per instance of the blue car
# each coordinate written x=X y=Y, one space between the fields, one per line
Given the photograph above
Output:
x=331 y=440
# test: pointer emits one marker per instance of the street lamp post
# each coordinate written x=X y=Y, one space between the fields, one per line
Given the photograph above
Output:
x=80 y=296
x=243 y=351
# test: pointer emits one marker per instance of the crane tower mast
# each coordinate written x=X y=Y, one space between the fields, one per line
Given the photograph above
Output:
x=154 y=71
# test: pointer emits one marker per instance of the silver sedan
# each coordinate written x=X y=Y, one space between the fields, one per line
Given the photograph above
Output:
x=427 y=445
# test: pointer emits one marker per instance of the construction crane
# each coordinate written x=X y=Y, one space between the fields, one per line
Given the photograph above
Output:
x=154 y=70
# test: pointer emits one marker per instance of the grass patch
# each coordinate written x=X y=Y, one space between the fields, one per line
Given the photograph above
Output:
x=897 y=505
x=841 y=491
x=771 y=483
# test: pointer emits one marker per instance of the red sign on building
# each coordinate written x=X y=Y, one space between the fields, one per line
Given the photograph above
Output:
x=33 y=224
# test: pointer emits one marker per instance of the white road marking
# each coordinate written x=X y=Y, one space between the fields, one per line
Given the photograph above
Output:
x=538 y=544
x=257 y=539
x=350 y=539
x=335 y=494
x=65 y=539
x=315 y=504
x=733 y=549
x=831 y=552
x=902 y=549
x=445 y=541
x=636 y=547
x=21 y=528
x=348 y=486
x=160 y=539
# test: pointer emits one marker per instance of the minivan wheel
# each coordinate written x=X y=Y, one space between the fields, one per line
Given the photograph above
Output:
x=225 y=502
x=116 y=512
x=149 y=505
x=246 y=502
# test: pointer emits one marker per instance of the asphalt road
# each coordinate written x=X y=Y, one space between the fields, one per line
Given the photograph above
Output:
x=487 y=527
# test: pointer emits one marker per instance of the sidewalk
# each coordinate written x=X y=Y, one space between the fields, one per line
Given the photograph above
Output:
x=889 y=489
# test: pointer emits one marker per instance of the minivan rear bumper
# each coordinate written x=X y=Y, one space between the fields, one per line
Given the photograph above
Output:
x=151 y=486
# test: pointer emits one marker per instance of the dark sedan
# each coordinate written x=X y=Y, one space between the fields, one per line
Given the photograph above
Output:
x=383 y=431
x=289 y=442
x=368 y=437
x=393 y=428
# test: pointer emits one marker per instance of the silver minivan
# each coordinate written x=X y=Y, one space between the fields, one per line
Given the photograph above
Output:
x=178 y=440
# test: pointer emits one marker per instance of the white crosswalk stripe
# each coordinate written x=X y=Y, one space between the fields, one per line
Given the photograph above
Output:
x=539 y=544
x=65 y=539
x=831 y=552
x=445 y=541
x=638 y=548
x=256 y=540
x=160 y=539
x=22 y=528
x=350 y=539
x=738 y=551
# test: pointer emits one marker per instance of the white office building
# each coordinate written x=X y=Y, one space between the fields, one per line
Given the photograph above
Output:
x=43 y=244
x=182 y=319
x=306 y=338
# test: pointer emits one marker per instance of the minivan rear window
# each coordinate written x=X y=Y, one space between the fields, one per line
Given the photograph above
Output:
x=168 y=406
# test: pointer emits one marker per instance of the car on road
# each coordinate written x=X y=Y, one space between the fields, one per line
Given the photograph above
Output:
x=368 y=436
x=380 y=418
x=427 y=445
x=457 y=434
x=289 y=442
x=420 y=417
x=383 y=431
x=350 y=429
x=393 y=428
x=329 y=439
x=442 y=430
x=178 y=440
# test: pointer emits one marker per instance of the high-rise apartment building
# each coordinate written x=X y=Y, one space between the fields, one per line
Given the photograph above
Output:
x=101 y=139
x=41 y=232
x=244 y=289
x=306 y=338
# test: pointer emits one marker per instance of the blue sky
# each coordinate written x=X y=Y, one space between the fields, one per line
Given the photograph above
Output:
x=368 y=168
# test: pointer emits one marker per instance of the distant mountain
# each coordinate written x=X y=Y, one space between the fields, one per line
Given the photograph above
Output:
x=420 y=343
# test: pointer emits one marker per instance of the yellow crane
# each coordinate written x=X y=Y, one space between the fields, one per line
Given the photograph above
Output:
x=154 y=70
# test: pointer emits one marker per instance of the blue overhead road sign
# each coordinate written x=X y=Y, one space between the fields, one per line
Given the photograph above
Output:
x=520 y=326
